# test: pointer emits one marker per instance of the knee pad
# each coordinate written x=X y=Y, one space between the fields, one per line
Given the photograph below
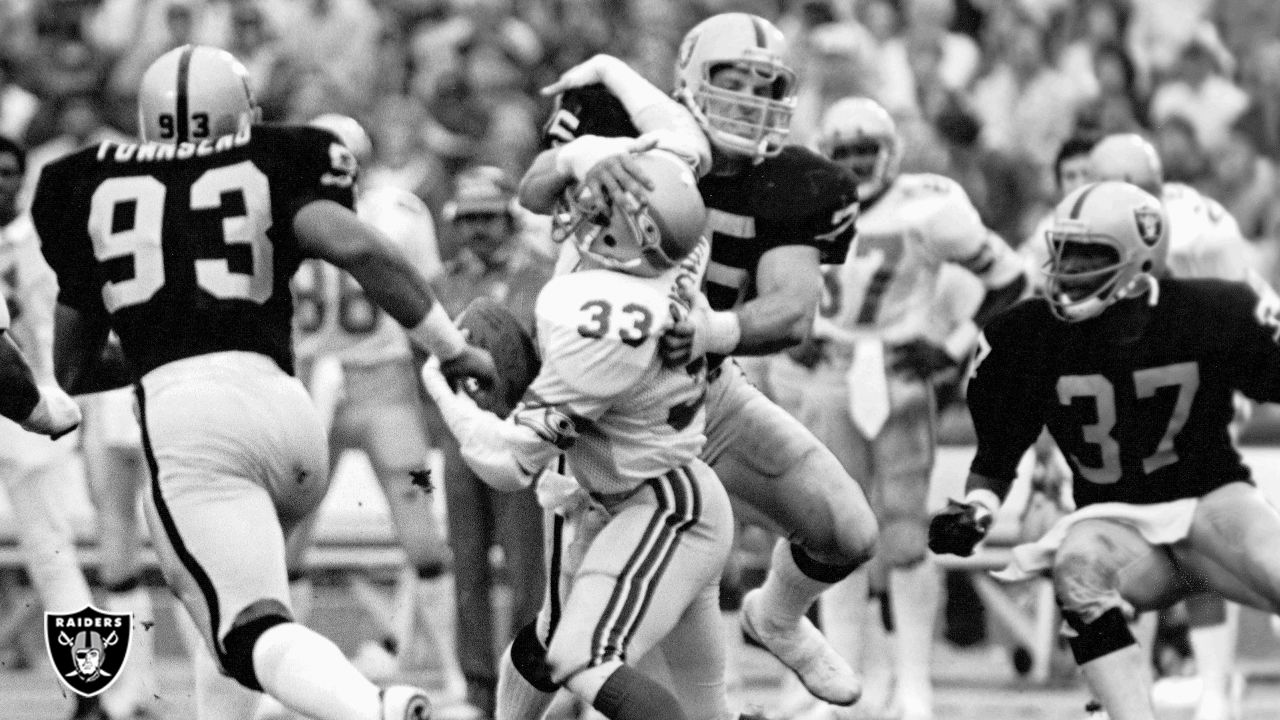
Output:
x=235 y=652
x=529 y=657
x=817 y=570
x=1107 y=634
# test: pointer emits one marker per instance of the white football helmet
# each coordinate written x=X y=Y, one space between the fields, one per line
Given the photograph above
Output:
x=350 y=132
x=1128 y=157
x=645 y=242
x=195 y=92
x=738 y=121
x=861 y=135
x=1108 y=241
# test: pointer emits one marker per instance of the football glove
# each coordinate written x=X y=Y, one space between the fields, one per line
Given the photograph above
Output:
x=958 y=527
x=920 y=357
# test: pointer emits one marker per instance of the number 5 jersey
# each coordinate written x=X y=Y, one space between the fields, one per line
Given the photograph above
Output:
x=189 y=257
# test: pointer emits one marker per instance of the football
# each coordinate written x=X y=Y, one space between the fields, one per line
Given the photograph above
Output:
x=490 y=325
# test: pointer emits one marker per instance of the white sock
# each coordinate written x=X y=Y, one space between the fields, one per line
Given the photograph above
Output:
x=435 y=606
x=307 y=673
x=301 y=595
x=516 y=698
x=844 y=613
x=137 y=682
x=914 y=593
x=787 y=592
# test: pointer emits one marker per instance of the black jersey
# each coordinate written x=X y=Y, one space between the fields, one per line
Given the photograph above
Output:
x=190 y=248
x=1142 y=422
x=795 y=198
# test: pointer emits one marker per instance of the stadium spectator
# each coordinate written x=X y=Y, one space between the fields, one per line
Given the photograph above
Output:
x=1200 y=89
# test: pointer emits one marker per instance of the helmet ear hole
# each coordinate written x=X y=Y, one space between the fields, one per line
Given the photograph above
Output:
x=1146 y=266
x=609 y=240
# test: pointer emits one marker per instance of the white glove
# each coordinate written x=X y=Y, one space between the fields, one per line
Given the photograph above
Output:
x=582 y=154
x=55 y=415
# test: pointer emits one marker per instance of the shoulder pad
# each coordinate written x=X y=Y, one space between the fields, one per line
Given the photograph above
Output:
x=598 y=329
x=799 y=183
x=590 y=110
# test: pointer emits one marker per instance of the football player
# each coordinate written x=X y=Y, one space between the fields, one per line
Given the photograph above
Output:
x=184 y=245
x=632 y=429
x=871 y=398
x=30 y=464
x=1132 y=372
x=494 y=260
x=776 y=213
x=361 y=371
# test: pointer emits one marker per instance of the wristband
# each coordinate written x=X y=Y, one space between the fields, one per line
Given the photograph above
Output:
x=724 y=330
x=438 y=335
x=985 y=499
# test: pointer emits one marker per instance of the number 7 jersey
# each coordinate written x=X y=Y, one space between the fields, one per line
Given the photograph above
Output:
x=189 y=248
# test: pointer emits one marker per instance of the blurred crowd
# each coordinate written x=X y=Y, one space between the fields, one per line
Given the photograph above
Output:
x=985 y=91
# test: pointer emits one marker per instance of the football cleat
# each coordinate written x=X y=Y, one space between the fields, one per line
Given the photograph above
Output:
x=861 y=135
x=804 y=650
x=1108 y=241
x=738 y=121
x=195 y=92
x=403 y=702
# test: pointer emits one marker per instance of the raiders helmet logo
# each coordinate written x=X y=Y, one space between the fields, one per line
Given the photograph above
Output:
x=1150 y=225
x=88 y=648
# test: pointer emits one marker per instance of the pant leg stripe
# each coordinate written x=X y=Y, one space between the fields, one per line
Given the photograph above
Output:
x=691 y=519
x=553 y=579
x=622 y=585
x=203 y=581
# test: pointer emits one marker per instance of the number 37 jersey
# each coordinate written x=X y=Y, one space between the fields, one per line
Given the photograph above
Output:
x=1142 y=422
x=189 y=248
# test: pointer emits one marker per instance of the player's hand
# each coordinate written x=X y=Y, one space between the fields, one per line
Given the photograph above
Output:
x=55 y=415
x=809 y=352
x=958 y=527
x=473 y=369
x=618 y=179
x=681 y=344
x=920 y=357
x=588 y=72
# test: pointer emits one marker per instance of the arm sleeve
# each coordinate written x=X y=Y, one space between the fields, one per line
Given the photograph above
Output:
x=1005 y=421
x=830 y=228
x=66 y=246
x=319 y=167
x=960 y=237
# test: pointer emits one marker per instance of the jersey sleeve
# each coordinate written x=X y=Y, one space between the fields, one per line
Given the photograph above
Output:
x=959 y=236
x=64 y=238
x=1253 y=360
x=1001 y=381
x=818 y=208
x=590 y=110
x=408 y=222
x=316 y=166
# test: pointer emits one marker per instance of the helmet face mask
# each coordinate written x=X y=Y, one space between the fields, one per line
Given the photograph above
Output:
x=645 y=240
x=731 y=76
x=195 y=92
x=1108 y=242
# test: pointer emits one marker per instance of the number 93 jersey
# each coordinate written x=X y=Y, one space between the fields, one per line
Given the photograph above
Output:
x=1141 y=422
x=189 y=248
x=887 y=283
x=332 y=314
x=635 y=419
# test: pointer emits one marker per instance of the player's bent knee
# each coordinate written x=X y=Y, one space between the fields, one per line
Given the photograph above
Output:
x=529 y=657
x=236 y=651
x=1107 y=633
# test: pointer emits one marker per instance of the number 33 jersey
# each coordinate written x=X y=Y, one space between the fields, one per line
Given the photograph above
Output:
x=1142 y=422
x=189 y=248
x=635 y=419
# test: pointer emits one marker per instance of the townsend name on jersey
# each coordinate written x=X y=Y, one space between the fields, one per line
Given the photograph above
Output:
x=159 y=152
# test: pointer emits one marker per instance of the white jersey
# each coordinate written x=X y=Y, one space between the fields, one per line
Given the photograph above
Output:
x=597 y=333
x=1204 y=240
x=332 y=315
x=887 y=284
x=29 y=289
